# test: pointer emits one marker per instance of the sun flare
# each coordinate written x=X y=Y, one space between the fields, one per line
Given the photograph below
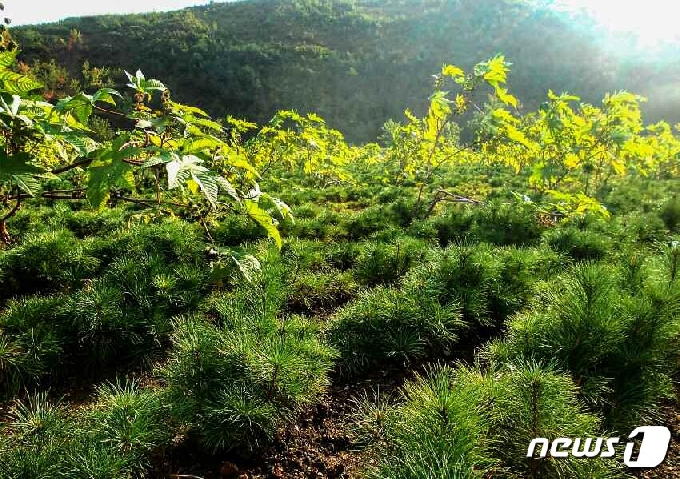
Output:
x=652 y=22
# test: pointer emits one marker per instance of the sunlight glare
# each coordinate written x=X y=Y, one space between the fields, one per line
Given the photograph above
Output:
x=651 y=21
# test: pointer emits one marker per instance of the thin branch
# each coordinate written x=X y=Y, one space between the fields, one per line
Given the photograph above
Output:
x=14 y=210
x=146 y=202
x=111 y=112
x=72 y=166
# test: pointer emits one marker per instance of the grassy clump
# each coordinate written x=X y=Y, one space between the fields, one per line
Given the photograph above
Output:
x=466 y=424
x=580 y=244
x=670 y=213
x=320 y=293
x=489 y=283
x=113 y=304
x=231 y=382
x=386 y=263
x=387 y=326
x=116 y=436
x=619 y=345
x=45 y=262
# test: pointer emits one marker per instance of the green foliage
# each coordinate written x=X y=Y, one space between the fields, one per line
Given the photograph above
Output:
x=381 y=263
x=387 y=326
x=113 y=438
x=233 y=383
x=45 y=262
x=146 y=252
x=464 y=424
x=131 y=422
x=260 y=55
x=616 y=343
x=113 y=310
x=580 y=244
x=487 y=283
x=438 y=431
x=189 y=158
x=320 y=293
x=670 y=213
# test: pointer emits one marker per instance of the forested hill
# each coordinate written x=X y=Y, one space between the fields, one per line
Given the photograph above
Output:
x=354 y=62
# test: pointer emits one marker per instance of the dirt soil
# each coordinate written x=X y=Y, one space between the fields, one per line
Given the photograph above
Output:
x=318 y=445
x=670 y=468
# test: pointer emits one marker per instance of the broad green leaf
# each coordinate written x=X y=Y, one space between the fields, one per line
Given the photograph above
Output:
x=102 y=176
x=17 y=84
x=208 y=184
x=17 y=164
x=197 y=145
x=265 y=220
x=80 y=106
x=83 y=144
x=161 y=159
x=8 y=57
x=106 y=95
x=27 y=184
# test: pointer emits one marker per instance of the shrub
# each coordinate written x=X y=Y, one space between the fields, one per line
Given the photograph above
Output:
x=645 y=228
x=116 y=313
x=234 y=230
x=88 y=223
x=366 y=222
x=506 y=224
x=620 y=348
x=130 y=421
x=234 y=380
x=320 y=293
x=528 y=402
x=381 y=263
x=113 y=438
x=437 y=432
x=579 y=244
x=454 y=226
x=32 y=444
x=45 y=262
x=34 y=333
x=466 y=424
x=388 y=326
x=670 y=213
x=233 y=387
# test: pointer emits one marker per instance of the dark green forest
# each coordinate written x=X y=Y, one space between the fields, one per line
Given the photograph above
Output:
x=356 y=63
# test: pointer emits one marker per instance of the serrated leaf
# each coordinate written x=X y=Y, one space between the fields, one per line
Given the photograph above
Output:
x=197 y=145
x=27 y=184
x=83 y=144
x=180 y=170
x=452 y=71
x=102 y=176
x=80 y=106
x=228 y=187
x=161 y=159
x=17 y=84
x=208 y=184
x=204 y=122
x=8 y=57
x=506 y=97
x=17 y=164
x=265 y=220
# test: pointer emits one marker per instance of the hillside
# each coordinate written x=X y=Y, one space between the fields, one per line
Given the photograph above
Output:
x=356 y=63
